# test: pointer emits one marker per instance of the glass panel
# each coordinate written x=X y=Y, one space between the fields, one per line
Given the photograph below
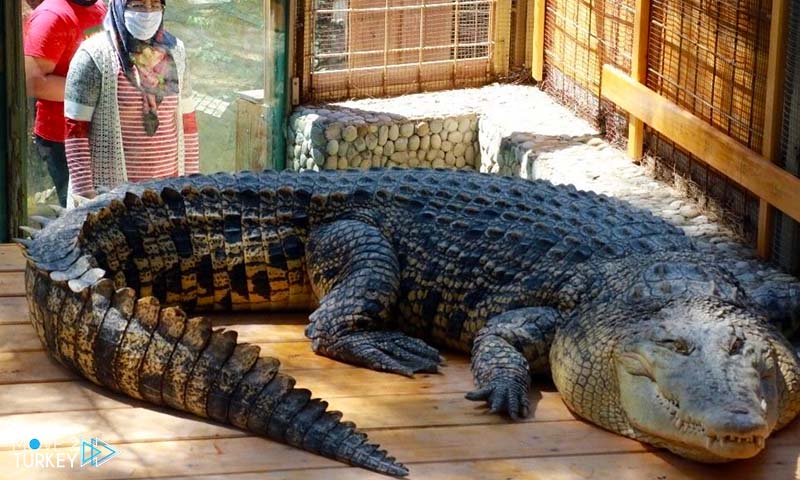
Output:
x=236 y=68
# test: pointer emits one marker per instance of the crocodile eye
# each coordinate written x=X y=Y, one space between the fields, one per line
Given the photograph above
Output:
x=736 y=346
x=676 y=345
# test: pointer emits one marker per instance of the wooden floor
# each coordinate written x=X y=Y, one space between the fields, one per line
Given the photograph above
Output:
x=425 y=422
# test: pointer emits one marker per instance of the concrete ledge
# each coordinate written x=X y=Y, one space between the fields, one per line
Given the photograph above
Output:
x=497 y=129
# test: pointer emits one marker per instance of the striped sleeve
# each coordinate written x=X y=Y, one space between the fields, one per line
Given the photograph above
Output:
x=191 y=143
x=79 y=158
x=81 y=95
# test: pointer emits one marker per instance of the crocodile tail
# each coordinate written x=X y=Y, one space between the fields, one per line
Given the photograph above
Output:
x=151 y=352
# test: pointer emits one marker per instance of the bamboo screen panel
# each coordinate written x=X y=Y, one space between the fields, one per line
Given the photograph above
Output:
x=364 y=48
x=710 y=58
x=580 y=36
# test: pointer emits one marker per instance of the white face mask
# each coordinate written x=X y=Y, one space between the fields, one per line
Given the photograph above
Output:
x=142 y=25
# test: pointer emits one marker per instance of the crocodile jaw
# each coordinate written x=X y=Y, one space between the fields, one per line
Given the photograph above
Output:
x=713 y=397
x=657 y=418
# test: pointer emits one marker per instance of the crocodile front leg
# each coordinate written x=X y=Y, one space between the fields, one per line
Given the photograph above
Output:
x=506 y=351
x=355 y=274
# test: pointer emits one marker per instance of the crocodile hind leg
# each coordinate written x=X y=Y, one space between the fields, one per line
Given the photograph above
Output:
x=355 y=274
x=506 y=351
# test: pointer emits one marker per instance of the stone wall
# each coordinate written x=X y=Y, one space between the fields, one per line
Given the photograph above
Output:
x=339 y=138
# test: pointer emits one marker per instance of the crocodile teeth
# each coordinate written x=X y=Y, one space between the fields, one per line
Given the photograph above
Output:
x=678 y=423
x=709 y=442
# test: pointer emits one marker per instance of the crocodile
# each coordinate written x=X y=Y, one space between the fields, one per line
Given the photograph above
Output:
x=644 y=333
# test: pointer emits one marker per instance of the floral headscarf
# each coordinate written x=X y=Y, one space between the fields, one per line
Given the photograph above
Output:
x=148 y=65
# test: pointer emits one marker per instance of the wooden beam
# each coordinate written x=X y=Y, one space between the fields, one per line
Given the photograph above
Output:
x=537 y=67
x=641 y=31
x=742 y=165
x=773 y=112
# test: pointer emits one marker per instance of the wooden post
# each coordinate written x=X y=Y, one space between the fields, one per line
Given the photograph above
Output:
x=641 y=33
x=528 y=33
x=13 y=123
x=306 y=89
x=520 y=30
x=773 y=112
x=269 y=51
x=502 y=36
x=537 y=62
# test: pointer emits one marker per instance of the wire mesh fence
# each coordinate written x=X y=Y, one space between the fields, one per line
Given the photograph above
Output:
x=381 y=47
x=786 y=237
x=580 y=37
x=710 y=58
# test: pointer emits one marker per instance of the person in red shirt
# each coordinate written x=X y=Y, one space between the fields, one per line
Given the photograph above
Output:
x=53 y=32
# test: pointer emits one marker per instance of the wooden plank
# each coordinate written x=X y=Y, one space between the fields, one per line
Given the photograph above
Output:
x=737 y=162
x=28 y=367
x=773 y=113
x=18 y=338
x=14 y=310
x=641 y=29
x=12 y=284
x=246 y=454
x=147 y=423
x=776 y=463
x=577 y=441
x=63 y=396
x=215 y=455
x=11 y=259
x=537 y=66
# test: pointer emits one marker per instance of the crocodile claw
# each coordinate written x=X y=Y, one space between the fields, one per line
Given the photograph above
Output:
x=504 y=395
x=385 y=351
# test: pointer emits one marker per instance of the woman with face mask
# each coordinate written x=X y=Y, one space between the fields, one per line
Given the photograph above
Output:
x=128 y=103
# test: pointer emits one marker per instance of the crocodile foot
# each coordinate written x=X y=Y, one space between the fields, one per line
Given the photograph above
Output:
x=504 y=394
x=384 y=351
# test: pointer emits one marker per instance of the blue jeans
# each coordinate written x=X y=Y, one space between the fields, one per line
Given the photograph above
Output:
x=52 y=153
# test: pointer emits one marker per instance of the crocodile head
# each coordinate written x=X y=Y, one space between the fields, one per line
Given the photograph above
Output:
x=702 y=378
